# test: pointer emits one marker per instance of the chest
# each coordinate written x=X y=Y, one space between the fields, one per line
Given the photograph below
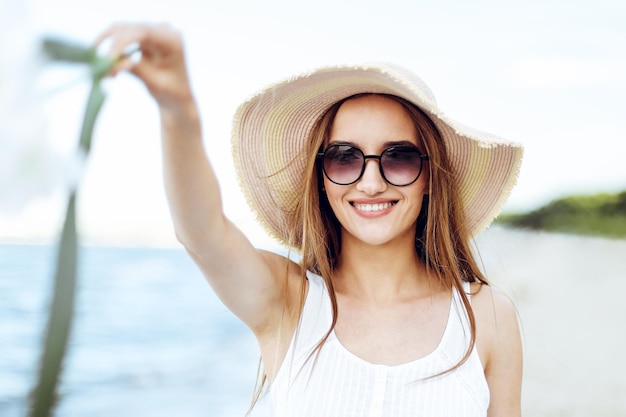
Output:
x=392 y=334
x=337 y=382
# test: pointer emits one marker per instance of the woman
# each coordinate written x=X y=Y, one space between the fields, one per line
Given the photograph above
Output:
x=355 y=168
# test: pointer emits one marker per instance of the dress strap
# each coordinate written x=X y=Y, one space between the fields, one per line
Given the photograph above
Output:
x=315 y=319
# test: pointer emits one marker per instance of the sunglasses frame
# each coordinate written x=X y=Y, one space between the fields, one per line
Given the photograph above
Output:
x=422 y=157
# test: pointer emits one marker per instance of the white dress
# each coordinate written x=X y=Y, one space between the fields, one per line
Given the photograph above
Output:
x=340 y=384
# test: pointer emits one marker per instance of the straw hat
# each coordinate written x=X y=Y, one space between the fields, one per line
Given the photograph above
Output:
x=271 y=129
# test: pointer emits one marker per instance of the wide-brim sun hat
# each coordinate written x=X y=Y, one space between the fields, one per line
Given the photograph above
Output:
x=271 y=130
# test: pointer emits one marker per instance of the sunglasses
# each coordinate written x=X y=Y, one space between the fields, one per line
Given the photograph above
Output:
x=399 y=165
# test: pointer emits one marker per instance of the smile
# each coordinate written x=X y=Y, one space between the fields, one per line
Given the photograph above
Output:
x=373 y=207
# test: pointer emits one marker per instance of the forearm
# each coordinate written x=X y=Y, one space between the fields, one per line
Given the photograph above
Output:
x=191 y=186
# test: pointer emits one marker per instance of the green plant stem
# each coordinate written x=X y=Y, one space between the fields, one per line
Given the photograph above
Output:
x=94 y=104
x=44 y=396
x=60 y=317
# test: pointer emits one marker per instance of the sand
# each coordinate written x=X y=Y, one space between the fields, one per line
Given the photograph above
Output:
x=570 y=292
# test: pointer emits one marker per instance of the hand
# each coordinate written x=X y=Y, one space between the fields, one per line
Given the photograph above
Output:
x=161 y=66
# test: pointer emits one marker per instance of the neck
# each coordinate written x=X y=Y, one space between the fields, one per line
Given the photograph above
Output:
x=385 y=272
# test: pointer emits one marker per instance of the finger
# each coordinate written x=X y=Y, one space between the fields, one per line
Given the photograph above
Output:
x=122 y=35
x=124 y=38
x=122 y=43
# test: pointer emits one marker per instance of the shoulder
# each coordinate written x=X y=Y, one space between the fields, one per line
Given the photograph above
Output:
x=496 y=316
x=493 y=305
x=499 y=345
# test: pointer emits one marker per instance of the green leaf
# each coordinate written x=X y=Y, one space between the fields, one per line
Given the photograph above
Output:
x=43 y=398
x=68 y=51
x=101 y=66
x=94 y=104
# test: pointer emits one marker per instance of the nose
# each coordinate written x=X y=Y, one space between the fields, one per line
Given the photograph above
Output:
x=371 y=182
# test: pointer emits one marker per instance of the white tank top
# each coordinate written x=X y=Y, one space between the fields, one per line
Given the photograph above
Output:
x=340 y=384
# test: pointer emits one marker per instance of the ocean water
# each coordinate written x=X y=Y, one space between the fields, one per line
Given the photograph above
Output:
x=151 y=338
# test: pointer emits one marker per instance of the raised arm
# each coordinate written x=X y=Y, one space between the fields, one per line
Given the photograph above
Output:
x=249 y=282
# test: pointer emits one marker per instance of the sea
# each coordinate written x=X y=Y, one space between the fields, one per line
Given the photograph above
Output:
x=150 y=338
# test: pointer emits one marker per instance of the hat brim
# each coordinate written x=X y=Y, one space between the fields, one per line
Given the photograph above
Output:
x=270 y=131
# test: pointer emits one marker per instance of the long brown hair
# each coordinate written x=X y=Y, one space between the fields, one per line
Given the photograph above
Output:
x=442 y=238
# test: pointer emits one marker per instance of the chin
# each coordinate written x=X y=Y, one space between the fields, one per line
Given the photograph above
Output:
x=378 y=238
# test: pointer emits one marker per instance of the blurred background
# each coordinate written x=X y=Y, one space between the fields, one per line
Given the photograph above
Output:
x=150 y=337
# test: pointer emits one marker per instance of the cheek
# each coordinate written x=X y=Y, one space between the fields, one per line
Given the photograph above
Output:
x=330 y=190
x=418 y=191
x=334 y=194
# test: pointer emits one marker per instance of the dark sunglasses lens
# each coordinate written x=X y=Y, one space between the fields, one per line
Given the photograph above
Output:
x=343 y=163
x=401 y=164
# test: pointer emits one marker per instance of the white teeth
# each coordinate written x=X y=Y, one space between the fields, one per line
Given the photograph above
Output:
x=372 y=207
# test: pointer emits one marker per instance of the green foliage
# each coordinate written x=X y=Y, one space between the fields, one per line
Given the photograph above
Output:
x=62 y=50
x=43 y=398
x=57 y=49
x=599 y=214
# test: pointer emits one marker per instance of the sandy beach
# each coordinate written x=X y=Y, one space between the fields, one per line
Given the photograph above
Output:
x=569 y=291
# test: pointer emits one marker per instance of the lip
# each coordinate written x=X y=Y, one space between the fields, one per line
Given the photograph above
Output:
x=373 y=208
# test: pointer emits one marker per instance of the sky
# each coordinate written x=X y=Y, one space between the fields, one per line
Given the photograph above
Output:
x=550 y=75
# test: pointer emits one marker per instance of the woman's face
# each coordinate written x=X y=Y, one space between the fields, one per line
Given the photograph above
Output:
x=371 y=210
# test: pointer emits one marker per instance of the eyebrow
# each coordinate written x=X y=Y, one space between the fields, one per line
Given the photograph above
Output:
x=399 y=143
x=385 y=144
